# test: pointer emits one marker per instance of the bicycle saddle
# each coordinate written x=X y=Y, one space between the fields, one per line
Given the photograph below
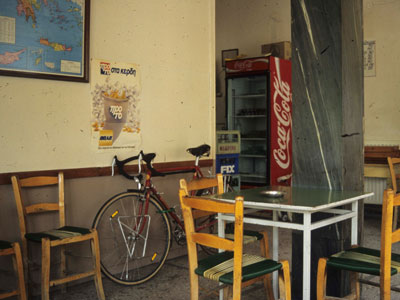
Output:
x=202 y=150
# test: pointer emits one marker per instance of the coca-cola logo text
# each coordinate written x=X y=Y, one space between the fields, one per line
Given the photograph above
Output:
x=243 y=65
x=281 y=106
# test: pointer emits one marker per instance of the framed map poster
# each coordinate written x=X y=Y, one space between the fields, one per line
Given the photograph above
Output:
x=47 y=39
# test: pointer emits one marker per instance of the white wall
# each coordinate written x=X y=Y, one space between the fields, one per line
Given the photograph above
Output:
x=45 y=124
x=382 y=93
x=247 y=25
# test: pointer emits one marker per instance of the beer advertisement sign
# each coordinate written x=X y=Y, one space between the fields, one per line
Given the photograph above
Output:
x=115 y=122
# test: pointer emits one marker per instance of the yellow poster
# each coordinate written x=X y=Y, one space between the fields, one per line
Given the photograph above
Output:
x=115 y=122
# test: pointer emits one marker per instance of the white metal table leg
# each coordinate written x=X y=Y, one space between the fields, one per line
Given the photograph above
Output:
x=221 y=233
x=275 y=251
x=306 y=256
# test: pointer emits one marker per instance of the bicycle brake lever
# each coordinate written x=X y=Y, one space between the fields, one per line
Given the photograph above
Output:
x=112 y=166
x=139 y=184
x=140 y=161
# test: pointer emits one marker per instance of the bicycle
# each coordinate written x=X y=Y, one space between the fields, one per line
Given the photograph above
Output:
x=134 y=227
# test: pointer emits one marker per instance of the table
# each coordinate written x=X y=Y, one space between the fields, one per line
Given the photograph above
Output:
x=302 y=200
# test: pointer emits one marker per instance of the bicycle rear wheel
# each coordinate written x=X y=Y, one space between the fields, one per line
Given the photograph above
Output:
x=133 y=245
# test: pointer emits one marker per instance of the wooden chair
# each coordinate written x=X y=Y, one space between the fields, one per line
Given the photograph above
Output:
x=216 y=185
x=394 y=167
x=13 y=249
x=60 y=237
x=365 y=260
x=231 y=267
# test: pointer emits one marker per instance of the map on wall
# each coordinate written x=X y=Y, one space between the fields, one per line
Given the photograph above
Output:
x=43 y=37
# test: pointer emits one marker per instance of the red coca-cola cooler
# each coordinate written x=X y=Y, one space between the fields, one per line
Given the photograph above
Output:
x=259 y=105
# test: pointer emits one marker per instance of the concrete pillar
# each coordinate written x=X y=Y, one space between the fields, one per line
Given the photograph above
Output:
x=327 y=68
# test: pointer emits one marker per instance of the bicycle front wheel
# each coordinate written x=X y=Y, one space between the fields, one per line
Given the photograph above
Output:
x=134 y=242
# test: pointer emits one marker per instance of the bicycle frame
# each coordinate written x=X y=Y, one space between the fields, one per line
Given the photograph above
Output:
x=150 y=189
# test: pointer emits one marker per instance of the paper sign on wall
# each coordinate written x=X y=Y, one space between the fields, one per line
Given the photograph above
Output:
x=115 y=122
x=369 y=59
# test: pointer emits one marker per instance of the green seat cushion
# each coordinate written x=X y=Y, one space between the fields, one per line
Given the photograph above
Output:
x=362 y=260
x=57 y=234
x=253 y=266
x=5 y=245
x=249 y=236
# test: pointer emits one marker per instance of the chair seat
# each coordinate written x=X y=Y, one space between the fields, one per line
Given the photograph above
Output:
x=57 y=234
x=5 y=245
x=219 y=267
x=249 y=236
x=362 y=260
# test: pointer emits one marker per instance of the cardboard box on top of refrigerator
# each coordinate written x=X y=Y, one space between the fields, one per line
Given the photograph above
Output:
x=282 y=50
x=228 y=141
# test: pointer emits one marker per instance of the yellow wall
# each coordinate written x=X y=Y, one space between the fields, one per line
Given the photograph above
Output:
x=45 y=124
x=247 y=25
x=382 y=93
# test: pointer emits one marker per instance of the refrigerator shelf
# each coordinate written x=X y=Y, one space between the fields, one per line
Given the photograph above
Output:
x=255 y=135
x=254 y=155
x=248 y=96
x=252 y=175
x=250 y=116
x=253 y=139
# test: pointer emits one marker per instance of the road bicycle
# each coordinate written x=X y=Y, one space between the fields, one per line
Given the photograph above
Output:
x=134 y=226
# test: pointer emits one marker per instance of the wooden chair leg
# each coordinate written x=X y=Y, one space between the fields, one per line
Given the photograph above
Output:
x=237 y=292
x=227 y=293
x=25 y=263
x=63 y=267
x=194 y=286
x=19 y=269
x=284 y=281
x=96 y=261
x=268 y=287
x=395 y=218
x=45 y=282
x=355 y=286
x=268 y=278
x=321 y=279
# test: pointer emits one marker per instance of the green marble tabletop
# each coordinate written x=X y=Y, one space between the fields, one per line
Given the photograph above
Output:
x=296 y=199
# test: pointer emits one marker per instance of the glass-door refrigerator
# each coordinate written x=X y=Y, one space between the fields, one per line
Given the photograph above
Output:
x=259 y=105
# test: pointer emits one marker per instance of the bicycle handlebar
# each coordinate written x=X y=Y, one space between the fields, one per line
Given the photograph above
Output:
x=148 y=159
x=202 y=150
x=121 y=163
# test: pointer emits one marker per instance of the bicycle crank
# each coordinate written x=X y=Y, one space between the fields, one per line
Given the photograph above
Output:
x=179 y=235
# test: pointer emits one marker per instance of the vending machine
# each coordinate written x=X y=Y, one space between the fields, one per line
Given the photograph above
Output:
x=259 y=106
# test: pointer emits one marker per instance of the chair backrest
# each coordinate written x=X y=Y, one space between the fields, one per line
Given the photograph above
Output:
x=24 y=208
x=215 y=184
x=188 y=204
x=394 y=166
x=210 y=185
x=388 y=237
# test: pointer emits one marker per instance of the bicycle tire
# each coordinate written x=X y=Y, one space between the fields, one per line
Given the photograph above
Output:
x=132 y=254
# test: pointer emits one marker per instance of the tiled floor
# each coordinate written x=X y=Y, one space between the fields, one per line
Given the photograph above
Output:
x=172 y=282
